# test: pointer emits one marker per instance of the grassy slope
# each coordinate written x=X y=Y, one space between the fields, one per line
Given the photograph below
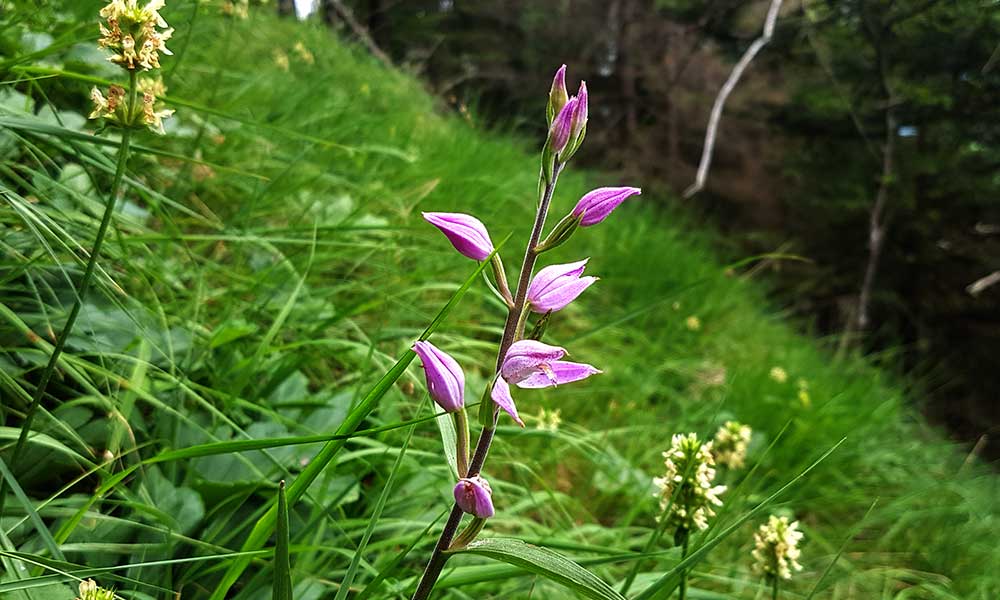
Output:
x=376 y=275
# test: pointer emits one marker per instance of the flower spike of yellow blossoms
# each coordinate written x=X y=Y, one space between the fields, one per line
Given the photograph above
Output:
x=730 y=444
x=776 y=548
x=687 y=487
x=89 y=590
x=136 y=35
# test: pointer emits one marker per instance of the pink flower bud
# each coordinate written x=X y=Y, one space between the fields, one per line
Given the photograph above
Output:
x=466 y=233
x=596 y=205
x=562 y=126
x=557 y=93
x=474 y=496
x=445 y=379
x=556 y=286
x=579 y=119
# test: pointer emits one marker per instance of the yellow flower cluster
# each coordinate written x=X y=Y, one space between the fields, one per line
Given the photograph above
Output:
x=131 y=33
x=153 y=116
x=112 y=107
x=687 y=485
x=136 y=35
x=239 y=9
x=548 y=420
x=89 y=590
x=776 y=548
x=730 y=444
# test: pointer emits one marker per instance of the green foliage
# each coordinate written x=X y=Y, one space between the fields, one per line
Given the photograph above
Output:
x=267 y=268
x=544 y=562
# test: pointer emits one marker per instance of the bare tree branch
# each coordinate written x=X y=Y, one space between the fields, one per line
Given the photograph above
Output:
x=727 y=88
x=876 y=222
x=977 y=286
x=359 y=30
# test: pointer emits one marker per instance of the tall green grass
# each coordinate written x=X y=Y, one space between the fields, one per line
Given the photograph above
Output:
x=270 y=264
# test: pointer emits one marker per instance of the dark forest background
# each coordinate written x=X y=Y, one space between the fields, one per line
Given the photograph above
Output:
x=864 y=139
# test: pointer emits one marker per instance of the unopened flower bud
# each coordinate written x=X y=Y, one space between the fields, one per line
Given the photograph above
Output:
x=596 y=205
x=465 y=232
x=579 y=121
x=445 y=379
x=578 y=124
x=557 y=94
x=474 y=496
x=562 y=126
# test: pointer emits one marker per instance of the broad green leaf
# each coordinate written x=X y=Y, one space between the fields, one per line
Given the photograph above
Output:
x=544 y=562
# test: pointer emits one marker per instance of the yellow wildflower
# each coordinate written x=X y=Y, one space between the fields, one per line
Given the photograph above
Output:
x=686 y=487
x=281 y=59
x=304 y=53
x=776 y=550
x=150 y=116
x=730 y=445
x=548 y=420
x=89 y=590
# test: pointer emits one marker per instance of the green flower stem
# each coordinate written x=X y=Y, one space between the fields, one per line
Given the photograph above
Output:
x=462 y=441
x=521 y=320
x=501 y=278
x=81 y=292
x=468 y=534
x=438 y=557
x=774 y=588
x=682 y=587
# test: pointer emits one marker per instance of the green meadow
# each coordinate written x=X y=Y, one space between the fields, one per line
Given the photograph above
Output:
x=263 y=278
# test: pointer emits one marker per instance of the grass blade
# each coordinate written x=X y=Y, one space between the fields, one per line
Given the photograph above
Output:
x=544 y=562
x=282 y=565
x=264 y=526
x=373 y=521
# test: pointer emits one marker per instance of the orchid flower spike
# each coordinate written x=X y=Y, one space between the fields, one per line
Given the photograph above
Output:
x=474 y=496
x=466 y=233
x=530 y=364
x=596 y=205
x=556 y=286
x=445 y=379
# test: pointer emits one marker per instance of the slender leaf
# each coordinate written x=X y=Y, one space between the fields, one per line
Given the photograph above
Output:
x=352 y=570
x=29 y=509
x=840 y=551
x=544 y=562
x=282 y=589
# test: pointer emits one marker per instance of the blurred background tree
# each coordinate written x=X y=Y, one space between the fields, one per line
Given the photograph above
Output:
x=862 y=121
